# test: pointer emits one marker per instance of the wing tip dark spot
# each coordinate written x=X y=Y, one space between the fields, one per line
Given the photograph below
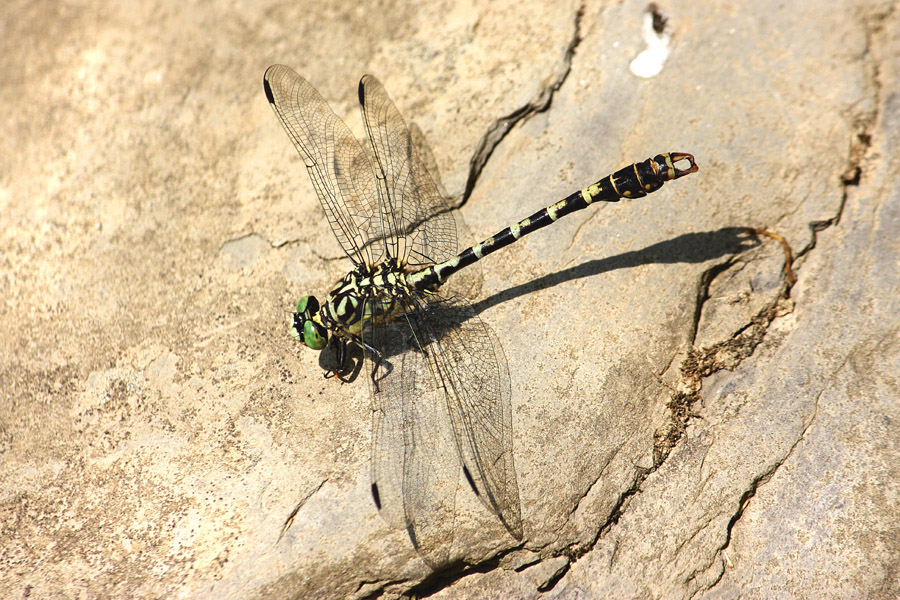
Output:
x=268 y=88
x=412 y=535
x=376 y=496
x=470 y=480
x=361 y=91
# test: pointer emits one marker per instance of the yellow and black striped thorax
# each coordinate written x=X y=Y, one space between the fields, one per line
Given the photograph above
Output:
x=366 y=296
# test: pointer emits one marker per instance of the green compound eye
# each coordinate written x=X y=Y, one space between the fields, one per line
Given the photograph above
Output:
x=314 y=335
x=308 y=306
x=305 y=328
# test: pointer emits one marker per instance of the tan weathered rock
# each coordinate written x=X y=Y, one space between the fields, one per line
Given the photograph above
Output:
x=158 y=424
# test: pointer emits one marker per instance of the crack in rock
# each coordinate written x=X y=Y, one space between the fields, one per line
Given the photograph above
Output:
x=759 y=481
x=290 y=520
x=728 y=354
x=502 y=126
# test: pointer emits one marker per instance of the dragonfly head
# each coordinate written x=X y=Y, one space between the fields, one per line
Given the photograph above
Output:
x=307 y=327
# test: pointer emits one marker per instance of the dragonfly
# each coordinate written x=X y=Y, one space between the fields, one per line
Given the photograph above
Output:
x=438 y=378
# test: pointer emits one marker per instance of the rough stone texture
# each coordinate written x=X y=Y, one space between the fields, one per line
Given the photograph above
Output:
x=687 y=422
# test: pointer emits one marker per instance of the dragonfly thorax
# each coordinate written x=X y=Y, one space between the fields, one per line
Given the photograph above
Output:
x=366 y=296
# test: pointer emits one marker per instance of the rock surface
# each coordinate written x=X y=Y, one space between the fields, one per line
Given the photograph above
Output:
x=689 y=420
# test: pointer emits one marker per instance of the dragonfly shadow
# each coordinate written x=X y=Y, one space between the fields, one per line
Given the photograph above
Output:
x=443 y=315
x=688 y=248
x=329 y=360
x=393 y=341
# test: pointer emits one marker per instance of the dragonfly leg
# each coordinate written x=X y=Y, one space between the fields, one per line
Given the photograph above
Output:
x=379 y=359
x=341 y=361
x=342 y=372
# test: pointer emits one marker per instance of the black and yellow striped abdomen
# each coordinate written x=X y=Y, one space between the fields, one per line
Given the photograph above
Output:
x=634 y=181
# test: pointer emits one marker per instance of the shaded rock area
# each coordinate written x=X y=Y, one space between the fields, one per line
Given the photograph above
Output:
x=699 y=410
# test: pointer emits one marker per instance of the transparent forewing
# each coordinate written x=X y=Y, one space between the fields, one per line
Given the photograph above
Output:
x=426 y=158
x=418 y=226
x=469 y=362
x=338 y=165
x=415 y=464
x=466 y=283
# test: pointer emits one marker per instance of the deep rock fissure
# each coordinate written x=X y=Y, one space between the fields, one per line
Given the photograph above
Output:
x=540 y=103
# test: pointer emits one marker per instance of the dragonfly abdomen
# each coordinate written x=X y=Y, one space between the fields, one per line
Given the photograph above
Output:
x=634 y=181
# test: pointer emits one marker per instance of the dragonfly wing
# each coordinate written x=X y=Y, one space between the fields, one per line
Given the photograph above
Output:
x=419 y=227
x=466 y=283
x=338 y=165
x=470 y=363
x=415 y=465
